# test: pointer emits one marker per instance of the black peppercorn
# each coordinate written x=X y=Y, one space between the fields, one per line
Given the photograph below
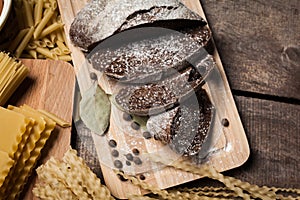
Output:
x=135 y=126
x=93 y=76
x=225 y=122
x=142 y=177
x=135 y=152
x=137 y=161
x=127 y=117
x=118 y=164
x=129 y=156
x=115 y=153
x=112 y=143
x=147 y=135
x=128 y=163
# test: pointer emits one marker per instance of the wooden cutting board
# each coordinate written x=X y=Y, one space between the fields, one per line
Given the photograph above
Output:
x=49 y=86
x=231 y=145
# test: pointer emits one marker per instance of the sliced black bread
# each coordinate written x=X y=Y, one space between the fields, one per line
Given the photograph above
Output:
x=148 y=59
x=153 y=98
x=186 y=127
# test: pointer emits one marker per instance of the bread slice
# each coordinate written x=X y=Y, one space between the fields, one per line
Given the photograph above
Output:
x=139 y=60
x=153 y=98
x=100 y=19
x=186 y=127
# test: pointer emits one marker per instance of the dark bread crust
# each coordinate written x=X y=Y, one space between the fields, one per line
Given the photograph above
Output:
x=148 y=59
x=100 y=19
x=186 y=127
x=153 y=98
x=162 y=125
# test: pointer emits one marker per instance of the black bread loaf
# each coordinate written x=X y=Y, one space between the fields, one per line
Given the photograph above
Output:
x=100 y=19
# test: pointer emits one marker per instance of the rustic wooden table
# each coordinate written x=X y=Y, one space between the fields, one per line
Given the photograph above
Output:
x=259 y=44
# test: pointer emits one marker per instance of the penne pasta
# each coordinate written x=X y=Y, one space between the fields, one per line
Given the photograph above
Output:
x=39 y=43
x=48 y=42
x=65 y=38
x=59 y=35
x=53 y=37
x=42 y=34
x=65 y=58
x=24 y=42
x=46 y=5
x=38 y=11
x=53 y=4
x=63 y=47
x=32 y=53
x=40 y=56
x=45 y=11
x=57 y=51
x=43 y=23
x=31 y=45
x=47 y=53
x=53 y=18
x=28 y=13
x=50 y=29
x=31 y=2
x=17 y=39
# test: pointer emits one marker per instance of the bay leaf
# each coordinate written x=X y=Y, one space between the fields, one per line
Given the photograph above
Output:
x=94 y=109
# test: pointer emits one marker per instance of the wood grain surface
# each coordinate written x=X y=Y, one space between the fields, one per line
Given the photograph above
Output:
x=273 y=132
x=49 y=86
x=259 y=44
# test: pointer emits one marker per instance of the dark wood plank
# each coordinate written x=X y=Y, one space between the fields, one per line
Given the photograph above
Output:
x=273 y=131
x=259 y=44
